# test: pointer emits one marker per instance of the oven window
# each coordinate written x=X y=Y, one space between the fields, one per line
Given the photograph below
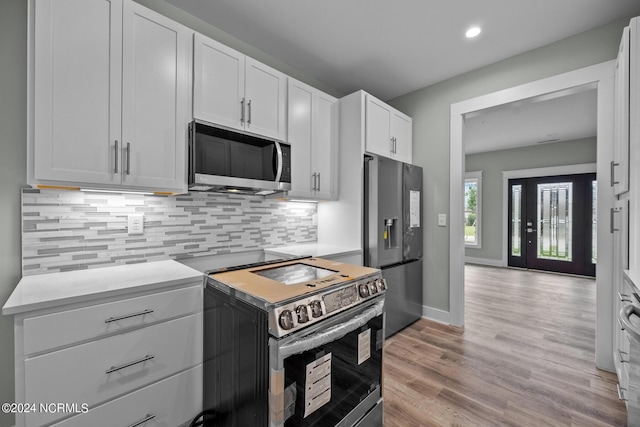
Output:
x=331 y=380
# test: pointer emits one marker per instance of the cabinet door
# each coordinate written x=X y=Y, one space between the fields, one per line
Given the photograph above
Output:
x=77 y=63
x=378 y=131
x=300 y=128
x=218 y=87
x=621 y=297
x=324 y=161
x=265 y=97
x=155 y=99
x=401 y=131
x=620 y=166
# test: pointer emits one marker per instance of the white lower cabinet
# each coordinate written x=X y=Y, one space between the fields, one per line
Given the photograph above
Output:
x=113 y=361
x=98 y=371
x=166 y=403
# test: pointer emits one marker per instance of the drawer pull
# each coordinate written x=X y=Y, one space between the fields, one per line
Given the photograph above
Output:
x=147 y=417
x=117 y=368
x=621 y=393
x=115 y=319
x=622 y=354
x=624 y=297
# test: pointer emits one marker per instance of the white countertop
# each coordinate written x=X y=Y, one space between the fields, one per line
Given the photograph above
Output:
x=313 y=249
x=56 y=289
x=634 y=277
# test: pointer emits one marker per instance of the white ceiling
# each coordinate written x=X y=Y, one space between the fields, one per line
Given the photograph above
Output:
x=563 y=116
x=393 y=47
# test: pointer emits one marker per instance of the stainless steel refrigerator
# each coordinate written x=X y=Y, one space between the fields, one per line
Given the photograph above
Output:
x=393 y=235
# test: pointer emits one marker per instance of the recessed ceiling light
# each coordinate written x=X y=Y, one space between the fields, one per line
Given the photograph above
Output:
x=473 y=32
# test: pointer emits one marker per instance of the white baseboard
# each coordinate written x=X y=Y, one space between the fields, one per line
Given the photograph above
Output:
x=483 y=261
x=436 y=315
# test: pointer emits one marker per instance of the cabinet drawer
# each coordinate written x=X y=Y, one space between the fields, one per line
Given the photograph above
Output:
x=100 y=370
x=170 y=402
x=68 y=327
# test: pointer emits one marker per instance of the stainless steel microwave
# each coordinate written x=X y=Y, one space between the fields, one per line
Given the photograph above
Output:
x=224 y=160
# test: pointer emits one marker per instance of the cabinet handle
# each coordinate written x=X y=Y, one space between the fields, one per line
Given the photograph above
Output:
x=391 y=141
x=242 y=111
x=128 y=158
x=115 y=162
x=127 y=316
x=621 y=393
x=395 y=145
x=622 y=354
x=126 y=365
x=612 y=228
x=146 y=418
x=314 y=177
x=613 y=173
x=319 y=181
x=249 y=113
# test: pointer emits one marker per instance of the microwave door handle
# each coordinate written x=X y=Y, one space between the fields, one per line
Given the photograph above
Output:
x=192 y=153
x=333 y=333
x=278 y=165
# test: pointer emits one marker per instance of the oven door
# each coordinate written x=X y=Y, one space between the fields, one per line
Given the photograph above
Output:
x=331 y=374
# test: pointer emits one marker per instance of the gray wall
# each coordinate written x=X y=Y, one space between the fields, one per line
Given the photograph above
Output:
x=430 y=106
x=492 y=165
x=13 y=146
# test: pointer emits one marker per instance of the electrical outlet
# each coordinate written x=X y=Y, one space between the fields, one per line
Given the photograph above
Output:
x=442 y=220
x=136 y=223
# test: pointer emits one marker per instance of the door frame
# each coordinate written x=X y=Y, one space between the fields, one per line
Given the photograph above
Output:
x=602 y=76
x=532 y=173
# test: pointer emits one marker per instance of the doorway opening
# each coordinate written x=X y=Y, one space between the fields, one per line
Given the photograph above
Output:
x=601 y=75
x=552 y=222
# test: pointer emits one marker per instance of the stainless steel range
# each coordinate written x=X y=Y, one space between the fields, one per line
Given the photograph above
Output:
x=294 y=343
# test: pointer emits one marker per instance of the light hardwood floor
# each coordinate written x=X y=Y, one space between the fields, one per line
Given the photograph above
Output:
x=525 y=358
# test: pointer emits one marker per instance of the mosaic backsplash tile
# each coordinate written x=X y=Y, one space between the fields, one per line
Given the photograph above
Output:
x=73 y=230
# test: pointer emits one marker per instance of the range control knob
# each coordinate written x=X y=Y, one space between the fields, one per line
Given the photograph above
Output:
x=363 y=290
x=303 y=314
x=316 y=308
x=286 y=320
x=380 y=285
x=373 y=287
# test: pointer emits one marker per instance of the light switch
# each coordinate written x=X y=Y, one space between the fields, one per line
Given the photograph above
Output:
x=442 y=220
x=136 y=223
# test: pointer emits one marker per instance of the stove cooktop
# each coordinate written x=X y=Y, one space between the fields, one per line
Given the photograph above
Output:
x=299 y=292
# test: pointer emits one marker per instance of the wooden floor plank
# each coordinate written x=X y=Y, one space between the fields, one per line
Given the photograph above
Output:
x=526 y=357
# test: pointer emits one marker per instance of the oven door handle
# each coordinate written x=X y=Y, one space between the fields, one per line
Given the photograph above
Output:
x=624 y=316
x=333 y=333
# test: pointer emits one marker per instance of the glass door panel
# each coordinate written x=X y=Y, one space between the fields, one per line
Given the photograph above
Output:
x=555 y=201
x=516 y=220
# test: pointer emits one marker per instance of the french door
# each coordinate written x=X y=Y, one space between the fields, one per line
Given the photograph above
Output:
x=552 y=223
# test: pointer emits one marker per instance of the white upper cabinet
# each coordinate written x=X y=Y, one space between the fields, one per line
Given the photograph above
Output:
x=620 y=164
x=236 y=91
x=110 y=96
x=388 y=131
x=402 y=134
x=77 y=89
x=155 y=99
x=312 y=119
x=218 y=87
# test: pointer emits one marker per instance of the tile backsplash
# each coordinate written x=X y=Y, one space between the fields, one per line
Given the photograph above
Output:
x=73 y=230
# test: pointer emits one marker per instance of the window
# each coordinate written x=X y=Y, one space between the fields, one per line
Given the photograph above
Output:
x=472 y=209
